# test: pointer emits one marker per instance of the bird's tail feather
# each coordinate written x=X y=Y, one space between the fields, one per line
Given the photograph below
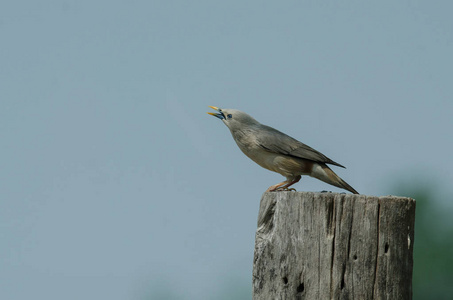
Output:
x=324 y=173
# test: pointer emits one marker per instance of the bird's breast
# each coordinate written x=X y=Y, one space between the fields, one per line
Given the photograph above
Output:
x=280 y=163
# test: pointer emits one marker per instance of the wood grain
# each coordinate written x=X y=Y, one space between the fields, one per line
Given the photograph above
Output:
x=333 y=246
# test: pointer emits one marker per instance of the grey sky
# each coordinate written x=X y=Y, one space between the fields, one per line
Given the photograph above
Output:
x=114 y=180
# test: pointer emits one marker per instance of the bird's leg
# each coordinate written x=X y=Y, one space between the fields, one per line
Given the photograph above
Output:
x=276 y=186
x=290 y=182
x=283 y=186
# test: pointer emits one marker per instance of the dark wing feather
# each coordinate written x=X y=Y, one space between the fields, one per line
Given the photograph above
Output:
x=275 y=141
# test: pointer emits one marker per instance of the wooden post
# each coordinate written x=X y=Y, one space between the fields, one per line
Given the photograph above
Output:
x=333 y=246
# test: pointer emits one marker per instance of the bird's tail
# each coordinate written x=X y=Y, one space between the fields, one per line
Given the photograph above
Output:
x=324 y=173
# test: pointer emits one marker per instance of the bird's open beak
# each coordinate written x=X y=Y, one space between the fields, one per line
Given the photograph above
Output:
x=219 y=115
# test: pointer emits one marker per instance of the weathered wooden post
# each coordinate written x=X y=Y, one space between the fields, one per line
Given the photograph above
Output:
x=333 y=246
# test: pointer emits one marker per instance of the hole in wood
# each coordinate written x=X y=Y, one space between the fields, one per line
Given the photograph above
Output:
x=300 y=288
x=285 y=280
x=386 y=247
x=342 y=283
x=355 y=257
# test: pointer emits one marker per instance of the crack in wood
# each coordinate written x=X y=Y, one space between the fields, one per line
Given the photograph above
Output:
x=333 y=224
x=377 y=249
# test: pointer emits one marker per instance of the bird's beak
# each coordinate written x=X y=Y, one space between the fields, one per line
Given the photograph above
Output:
x=219 y=115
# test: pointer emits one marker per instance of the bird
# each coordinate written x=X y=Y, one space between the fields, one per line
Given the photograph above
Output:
x=278 y=152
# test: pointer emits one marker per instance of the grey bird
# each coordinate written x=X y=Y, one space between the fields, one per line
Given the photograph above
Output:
x=278 y=152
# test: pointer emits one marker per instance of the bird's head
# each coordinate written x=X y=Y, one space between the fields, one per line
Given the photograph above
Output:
x=233 y=118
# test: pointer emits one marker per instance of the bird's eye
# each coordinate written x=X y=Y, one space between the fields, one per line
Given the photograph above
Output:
x=229 y=116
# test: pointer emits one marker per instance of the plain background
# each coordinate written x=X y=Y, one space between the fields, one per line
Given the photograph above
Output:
x=116 y=184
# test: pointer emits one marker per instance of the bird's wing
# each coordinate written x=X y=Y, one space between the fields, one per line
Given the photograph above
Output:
x=275 y=141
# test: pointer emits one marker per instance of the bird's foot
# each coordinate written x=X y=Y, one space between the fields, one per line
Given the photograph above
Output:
x=275 y=188
x=283 y=186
